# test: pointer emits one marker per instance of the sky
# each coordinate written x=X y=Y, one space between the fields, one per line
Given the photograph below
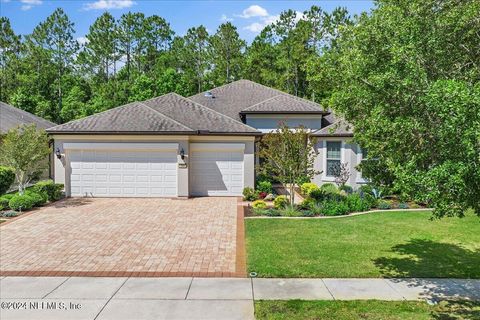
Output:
x=248 y=16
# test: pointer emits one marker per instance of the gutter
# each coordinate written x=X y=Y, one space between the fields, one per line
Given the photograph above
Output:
x=158 y=133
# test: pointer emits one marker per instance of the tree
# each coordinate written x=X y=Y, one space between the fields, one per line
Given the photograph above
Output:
x=288 y=155
x=130 y=36
x=406 y=78
x=227 y=49
x=26 y=150
x=101 y=49
x=10 y=47
x=341 y=174
x=55 y=37
x=195 y=59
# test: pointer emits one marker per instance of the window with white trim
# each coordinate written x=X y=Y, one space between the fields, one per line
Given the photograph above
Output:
x=334 y=149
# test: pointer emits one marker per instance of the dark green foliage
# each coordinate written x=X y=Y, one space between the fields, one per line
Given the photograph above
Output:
x=356 y=204
x=7 y=177
x=21 y=202
x=334 y=208
x=4 y=203
x=51 y=189
x=265 y=186
x=318 y=194
x=39 y=198
x=249 y=194
x=348 y=189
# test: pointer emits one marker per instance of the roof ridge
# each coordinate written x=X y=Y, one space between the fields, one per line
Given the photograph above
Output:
x=164 y=115
x=95 y=114
x=263 y=101
x=214 y=111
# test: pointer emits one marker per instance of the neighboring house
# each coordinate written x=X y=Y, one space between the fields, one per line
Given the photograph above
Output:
x=171 y=146
x=11 y=117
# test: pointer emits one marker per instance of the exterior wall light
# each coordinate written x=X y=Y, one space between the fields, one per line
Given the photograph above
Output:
x=182 y=154
x=58 y=154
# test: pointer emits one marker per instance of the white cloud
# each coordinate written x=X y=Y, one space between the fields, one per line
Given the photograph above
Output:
x=253 y=11
x=255 y=27
x=82 y=40
x=31 y=2
x=28 y=4
x=108 y=4
x=224 y=18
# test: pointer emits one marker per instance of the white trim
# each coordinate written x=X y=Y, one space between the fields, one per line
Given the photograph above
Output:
x=119 y=146
x=217 y=146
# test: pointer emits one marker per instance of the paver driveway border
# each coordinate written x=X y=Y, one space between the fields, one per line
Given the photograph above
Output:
x=240 y=257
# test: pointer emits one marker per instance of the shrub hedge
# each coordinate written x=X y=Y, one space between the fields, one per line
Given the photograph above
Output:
x=7 y=177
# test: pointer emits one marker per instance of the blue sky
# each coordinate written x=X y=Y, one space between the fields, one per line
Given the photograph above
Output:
x=248 y=16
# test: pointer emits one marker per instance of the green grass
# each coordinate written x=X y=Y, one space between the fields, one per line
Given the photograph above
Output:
x=367 y=309
x=383 y=244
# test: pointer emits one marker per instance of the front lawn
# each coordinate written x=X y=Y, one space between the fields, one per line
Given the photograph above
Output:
x=382 y=244
x=367 y=309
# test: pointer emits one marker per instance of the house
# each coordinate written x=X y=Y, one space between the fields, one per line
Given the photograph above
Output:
x=204 y=145
x=11 y=117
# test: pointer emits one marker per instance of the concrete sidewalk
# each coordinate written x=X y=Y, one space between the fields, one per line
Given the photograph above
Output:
x=200 y=298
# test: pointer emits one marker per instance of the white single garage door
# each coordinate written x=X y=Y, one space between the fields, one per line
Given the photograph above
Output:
x=123 y=170
x=216 y=169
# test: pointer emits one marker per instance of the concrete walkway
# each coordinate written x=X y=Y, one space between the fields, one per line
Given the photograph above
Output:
x=199 y=298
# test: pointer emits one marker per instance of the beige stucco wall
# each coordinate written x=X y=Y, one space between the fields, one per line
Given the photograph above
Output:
x=350 y=153
x=62 y=171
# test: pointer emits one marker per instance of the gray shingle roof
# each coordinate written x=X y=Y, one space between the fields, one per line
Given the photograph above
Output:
x=11 y=117
x=169 y=113
x=334 y=127
x=285 y=103
x=233 y=98
x=194 y=115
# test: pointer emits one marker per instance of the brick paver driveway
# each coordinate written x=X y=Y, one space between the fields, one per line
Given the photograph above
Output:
x=126 y=237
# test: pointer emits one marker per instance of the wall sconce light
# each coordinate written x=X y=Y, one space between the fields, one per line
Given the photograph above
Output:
x=182 y=154
x=58 y=154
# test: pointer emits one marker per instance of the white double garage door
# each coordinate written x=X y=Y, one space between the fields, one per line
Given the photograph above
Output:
x=152 y=169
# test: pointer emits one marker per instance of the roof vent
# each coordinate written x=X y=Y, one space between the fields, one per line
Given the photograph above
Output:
x=209 y=94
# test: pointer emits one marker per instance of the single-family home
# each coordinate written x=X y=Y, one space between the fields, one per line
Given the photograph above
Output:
x=204 y=145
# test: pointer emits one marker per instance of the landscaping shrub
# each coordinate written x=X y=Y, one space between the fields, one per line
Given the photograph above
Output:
x=265 y=177
x=403 y=205
x=356 y=204
x=347 y=189
x=38 y=198
x=21 y=202
x=384 y=205
x=4 y=203
x=51 y=189
x=316 y=208
x=7 y=177
x=306 y=204
x=329 y=188
x=334 y=208
x=262 y=195
x=290 y=211
x=10 y=214
x=307 y=188
x=265 y=186
x=249 y=194
x=317 y=194
x=280 y=202
x=272 y=212
x=259 y=204
x=308 y=213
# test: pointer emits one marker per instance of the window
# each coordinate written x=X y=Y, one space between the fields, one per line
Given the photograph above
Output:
x=333 y=157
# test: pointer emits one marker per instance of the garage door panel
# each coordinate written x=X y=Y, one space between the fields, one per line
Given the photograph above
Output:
x=216 y=173
x=123 y=173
